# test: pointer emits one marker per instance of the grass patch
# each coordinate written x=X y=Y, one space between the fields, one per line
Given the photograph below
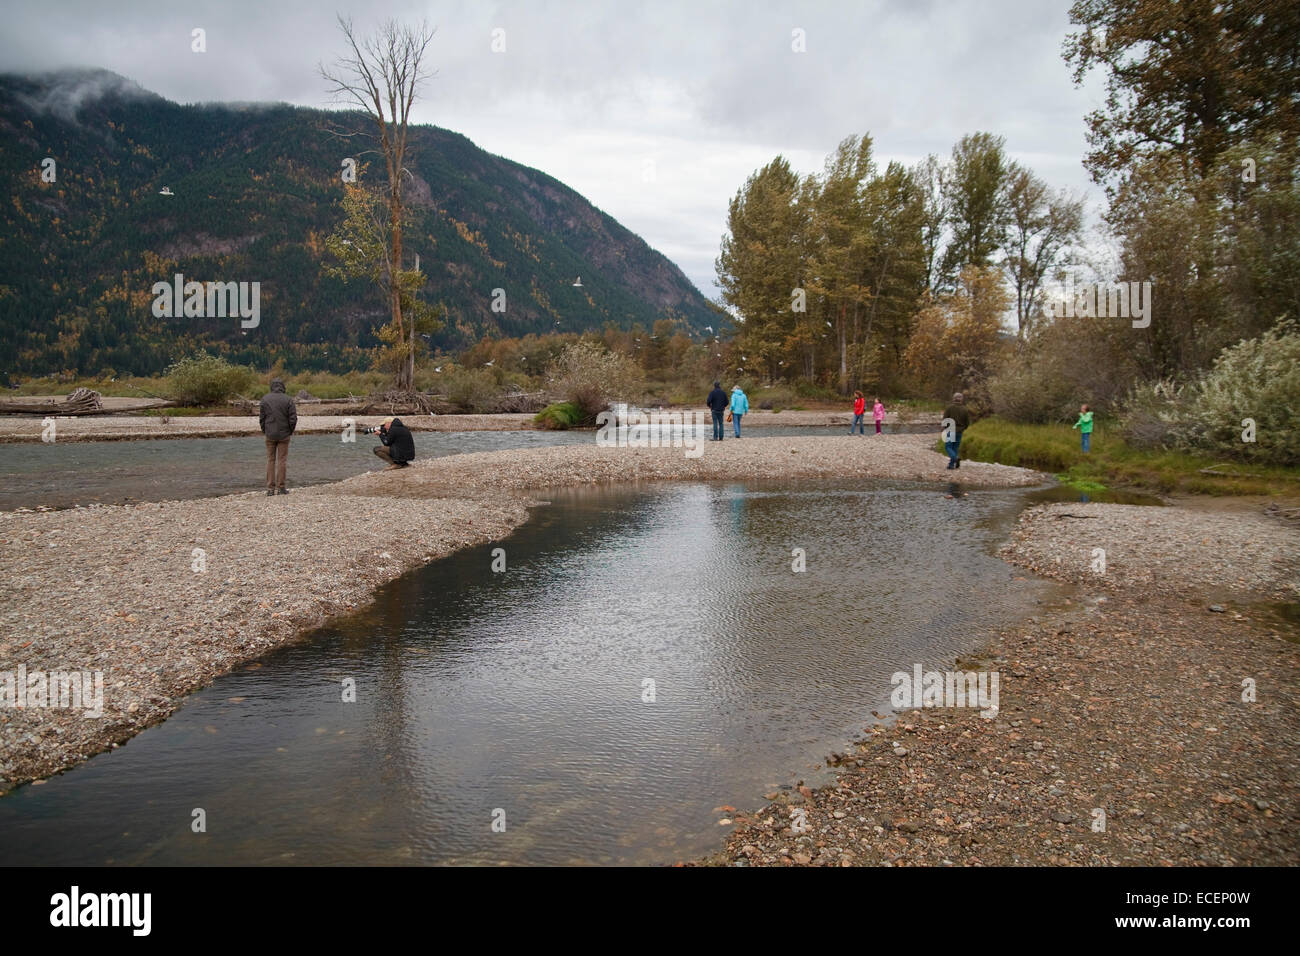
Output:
x=1112 y=462
x=559 y=416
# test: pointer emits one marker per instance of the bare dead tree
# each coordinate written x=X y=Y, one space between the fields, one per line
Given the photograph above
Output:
x=382 y=75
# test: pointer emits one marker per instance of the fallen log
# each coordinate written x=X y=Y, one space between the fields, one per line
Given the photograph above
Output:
x=82 y=401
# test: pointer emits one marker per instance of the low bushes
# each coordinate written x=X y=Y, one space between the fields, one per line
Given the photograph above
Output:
x=203 y=379
x=589 y=377
x=1245 y=407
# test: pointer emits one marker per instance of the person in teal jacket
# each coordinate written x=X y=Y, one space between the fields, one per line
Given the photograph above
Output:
x=1084 y=424
x=739 y=406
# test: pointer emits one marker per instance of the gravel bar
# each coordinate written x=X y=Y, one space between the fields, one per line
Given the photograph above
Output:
x=1122 y=736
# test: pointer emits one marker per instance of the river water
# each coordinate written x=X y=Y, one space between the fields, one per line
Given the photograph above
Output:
x=521 y=696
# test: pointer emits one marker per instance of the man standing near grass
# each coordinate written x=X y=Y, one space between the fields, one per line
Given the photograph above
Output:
x=277 y=417
x=1084 y=424
x=960 y=416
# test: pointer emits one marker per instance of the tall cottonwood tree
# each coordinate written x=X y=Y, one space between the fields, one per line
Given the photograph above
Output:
x=929 y=175
x=1187 y=79
x=1040 y=226
x=382 y=76
x=1197 y=146
x=974 y=193
x=762 y=260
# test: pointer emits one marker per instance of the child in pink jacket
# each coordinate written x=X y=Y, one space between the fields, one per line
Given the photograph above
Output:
x=878 y=413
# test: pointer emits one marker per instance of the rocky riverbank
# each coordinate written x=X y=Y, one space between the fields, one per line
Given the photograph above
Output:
x=162 y=598
x=1142 y=724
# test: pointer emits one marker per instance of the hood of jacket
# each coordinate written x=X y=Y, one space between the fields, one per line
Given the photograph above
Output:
x=277 y=385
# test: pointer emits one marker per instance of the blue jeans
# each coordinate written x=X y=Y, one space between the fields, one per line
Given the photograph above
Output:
x=857 y=423
x=1086 y=437
x=953 y=448
x=735 y=421
x=717 y=425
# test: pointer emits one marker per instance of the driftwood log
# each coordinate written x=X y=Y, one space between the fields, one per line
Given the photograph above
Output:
x=82 y=401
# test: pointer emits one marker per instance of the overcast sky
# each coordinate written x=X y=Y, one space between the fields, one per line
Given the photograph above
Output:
x=655 y=111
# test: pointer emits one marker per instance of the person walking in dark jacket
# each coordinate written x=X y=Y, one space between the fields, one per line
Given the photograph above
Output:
x=277 y=417
x=960 y=416
x=717 y=403
x=398 y=448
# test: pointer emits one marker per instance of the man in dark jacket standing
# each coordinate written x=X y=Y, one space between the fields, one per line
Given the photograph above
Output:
x=717 y=403
x=398 y=448
x=960 y=416
x=278 y=418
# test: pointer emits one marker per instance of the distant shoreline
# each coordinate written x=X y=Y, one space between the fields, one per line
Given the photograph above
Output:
x=18 y=429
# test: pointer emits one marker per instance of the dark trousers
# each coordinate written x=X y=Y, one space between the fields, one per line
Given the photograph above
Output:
x=717 y=425
x=387 y=456
x=277 y=462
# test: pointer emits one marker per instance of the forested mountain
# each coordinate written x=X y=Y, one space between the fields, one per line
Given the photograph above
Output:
x=255 y=189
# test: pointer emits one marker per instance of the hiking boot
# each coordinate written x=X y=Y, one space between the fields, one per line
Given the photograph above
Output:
x=270 y=491
x=283 y=491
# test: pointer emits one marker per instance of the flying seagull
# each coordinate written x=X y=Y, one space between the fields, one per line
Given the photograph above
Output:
x=166 y=191
x=708 y=328
x=488 y=364
x=438 y=369
x=577 y=283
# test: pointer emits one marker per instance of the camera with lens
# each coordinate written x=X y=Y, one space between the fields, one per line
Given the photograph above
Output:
x=369 y=429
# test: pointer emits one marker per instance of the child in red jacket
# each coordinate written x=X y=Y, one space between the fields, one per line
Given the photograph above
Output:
x=859 y=411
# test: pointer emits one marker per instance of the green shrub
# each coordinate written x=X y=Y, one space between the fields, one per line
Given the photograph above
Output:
x=559 y=416
x=1257 y=379
x=203 y=379
x=1153 y=415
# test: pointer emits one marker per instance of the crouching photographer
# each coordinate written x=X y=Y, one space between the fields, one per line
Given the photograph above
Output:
x=398 y=448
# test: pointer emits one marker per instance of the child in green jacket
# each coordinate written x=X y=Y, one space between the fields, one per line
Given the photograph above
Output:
x=1084 y=424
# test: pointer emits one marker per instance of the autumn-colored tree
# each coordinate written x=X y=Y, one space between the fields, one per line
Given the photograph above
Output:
x=1187 y=79
x=958 y=337
x=763 y=259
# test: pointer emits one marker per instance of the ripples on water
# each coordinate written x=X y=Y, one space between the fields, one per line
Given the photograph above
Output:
x=523 y=690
